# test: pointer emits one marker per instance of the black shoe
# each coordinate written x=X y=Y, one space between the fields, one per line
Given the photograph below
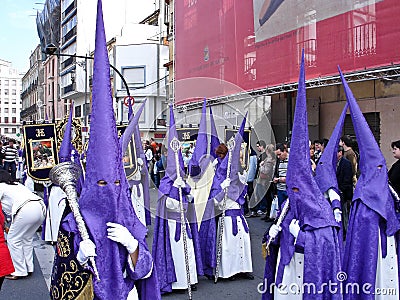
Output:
x=194 y=287
x=210 y=277
x=232 y=278
x=248 y=276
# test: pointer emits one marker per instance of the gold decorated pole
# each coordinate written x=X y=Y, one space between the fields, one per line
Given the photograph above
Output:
x=66 y=175
x=175 y=146
x=231 y=146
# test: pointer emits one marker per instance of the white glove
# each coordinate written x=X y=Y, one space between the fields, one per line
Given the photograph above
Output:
x=215 y=162
x=333 y=195
x=226 y=183
x=274 y=230
x=294 y=228
x=139 y=161
x=120 y=234
x=86 y=249
x=190 y=198
x=338 y=215
x=179 y=183
x=243 y=177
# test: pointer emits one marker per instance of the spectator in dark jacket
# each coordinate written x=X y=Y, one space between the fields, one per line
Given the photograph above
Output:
x=394 y=172
x=344 y=175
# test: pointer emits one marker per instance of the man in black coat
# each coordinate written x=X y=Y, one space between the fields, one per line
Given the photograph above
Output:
x=344 y=175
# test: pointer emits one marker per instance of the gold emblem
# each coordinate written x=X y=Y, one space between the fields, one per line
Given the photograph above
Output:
x=63 y=247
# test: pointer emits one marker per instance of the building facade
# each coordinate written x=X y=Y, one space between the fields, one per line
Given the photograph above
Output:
x=10 y=90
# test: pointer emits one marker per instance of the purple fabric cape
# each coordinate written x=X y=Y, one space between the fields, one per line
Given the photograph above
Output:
x=161 y=249
x=372 y=206
x=325 y=173
x=133 y=130
x=236 y=191
x=318 y=236
x=110 y=202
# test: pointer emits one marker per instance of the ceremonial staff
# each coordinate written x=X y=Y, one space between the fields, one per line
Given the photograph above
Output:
x=282 y=216
x=175 y=146
x=66 y=175
x=231 y=146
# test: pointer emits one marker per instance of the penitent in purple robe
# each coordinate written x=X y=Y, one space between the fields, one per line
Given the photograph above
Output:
x=236 y=192
x=373 y=215
x=105 y=194
x=318 y=237
x=143 y=178
x=161 y=250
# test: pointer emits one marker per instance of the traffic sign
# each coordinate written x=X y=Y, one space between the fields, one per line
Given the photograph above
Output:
x=127 y=99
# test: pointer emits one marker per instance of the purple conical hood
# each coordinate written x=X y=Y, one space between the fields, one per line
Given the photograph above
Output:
x=66 y=147
x=103 y=153
x=214 y=140
x=130 y=130
x=171 y=169
x=171 y=163
x=105 y=195
x=309 y=205
x=326 y=168
x=201 y=143
x=372 y=186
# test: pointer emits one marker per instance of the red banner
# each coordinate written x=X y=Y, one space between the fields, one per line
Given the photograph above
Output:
x=257 y=44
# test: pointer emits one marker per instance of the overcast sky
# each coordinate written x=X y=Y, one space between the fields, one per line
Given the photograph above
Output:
x=18 y=34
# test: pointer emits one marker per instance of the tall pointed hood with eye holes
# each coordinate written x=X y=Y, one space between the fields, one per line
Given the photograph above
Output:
x=325 y=174
x=105 y=195
x=196 y=167
x=306 y=200
x=372 y=186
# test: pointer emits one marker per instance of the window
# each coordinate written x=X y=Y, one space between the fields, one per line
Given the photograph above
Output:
x=14 y=110
x=78 y=111
x=6 y=82
x=14 y=83
x=14 y=92
x=373 y=120
x=135 y=76
x=5 y=119
x=6 y=110
x=5 y=92
x=14 y=120
x=5 y=130
x=13 y=130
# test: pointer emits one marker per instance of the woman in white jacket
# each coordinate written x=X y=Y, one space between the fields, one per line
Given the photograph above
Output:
x=28 y=212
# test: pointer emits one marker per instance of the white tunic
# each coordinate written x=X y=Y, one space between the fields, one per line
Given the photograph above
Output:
x=55 y=210
x=387 y=273
x=236 y=250
x=178 y=254
x=200 y=191
x=292 y=279
x=138 y=202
